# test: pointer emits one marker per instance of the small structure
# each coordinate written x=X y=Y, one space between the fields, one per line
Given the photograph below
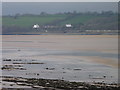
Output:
x=46 y=31
x=36 y=26
x=68 y=25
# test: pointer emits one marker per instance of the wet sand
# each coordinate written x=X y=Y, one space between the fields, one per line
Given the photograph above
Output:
x=93 y=54
x=103 y=43
x=97 y=43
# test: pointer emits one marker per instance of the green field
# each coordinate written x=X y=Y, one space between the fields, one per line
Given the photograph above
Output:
x=79 y=19
x=27 y=21
x=24 y=23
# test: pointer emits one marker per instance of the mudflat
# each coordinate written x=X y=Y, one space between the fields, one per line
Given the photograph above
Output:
x=103 y=43
x=68 y=57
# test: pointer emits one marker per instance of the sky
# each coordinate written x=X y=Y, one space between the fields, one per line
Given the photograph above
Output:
x=59 y=0
x=12 y=8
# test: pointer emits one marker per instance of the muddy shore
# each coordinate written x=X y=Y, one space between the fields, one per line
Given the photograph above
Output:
x=56 y=84
x=64 y=57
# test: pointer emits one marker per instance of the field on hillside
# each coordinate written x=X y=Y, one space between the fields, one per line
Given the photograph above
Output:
x=55 y=23
x=27 y=21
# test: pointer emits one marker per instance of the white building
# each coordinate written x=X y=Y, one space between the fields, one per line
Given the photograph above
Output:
x=68 y=25
x=36 y=26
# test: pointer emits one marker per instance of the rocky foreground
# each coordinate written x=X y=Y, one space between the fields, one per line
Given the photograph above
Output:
x=55 y=84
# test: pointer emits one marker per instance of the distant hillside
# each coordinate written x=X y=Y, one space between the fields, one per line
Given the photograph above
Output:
x=56 y=23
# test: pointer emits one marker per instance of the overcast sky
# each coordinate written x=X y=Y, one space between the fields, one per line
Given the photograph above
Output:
x=60 y=0
x=11 y=8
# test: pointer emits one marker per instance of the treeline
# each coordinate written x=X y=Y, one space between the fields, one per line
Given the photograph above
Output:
x=103 y=13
